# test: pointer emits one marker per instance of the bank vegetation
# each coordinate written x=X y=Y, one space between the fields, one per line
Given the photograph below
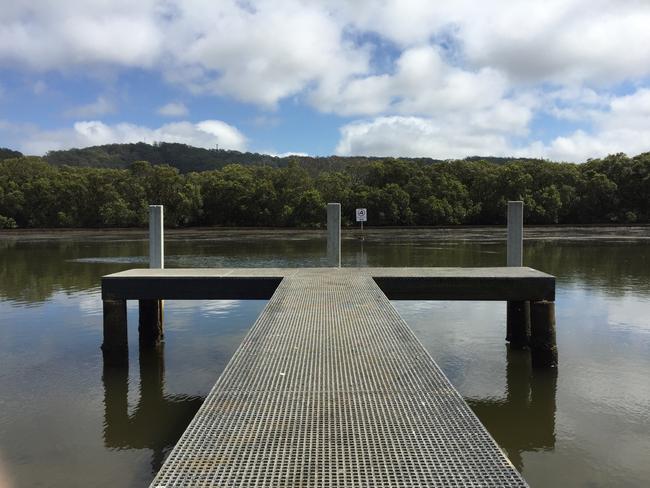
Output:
x=38 y=194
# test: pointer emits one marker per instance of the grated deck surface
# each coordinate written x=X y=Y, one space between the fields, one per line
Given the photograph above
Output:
x=330 y=388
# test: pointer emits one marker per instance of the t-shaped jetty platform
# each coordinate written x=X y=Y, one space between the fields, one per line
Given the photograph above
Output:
x=330 y=387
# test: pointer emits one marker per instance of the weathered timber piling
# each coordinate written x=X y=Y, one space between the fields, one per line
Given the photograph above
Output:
x=334 y=234
x=150 y=327
x=518 y=313
x=543 y=346
x=115 y=345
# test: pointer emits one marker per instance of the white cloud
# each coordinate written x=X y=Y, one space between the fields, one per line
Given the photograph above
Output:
x=43 y=35
x=208 y=134
x=467 y=72
x=285 y=154
x=173 y=109
x=416 y=136
x=574 y=103
x=264 y=50
x=228 y=137
x=101 y=106
x=620 y=125
x=424 y=84
x=564 y=41
x=557 y=40
x=259 y=52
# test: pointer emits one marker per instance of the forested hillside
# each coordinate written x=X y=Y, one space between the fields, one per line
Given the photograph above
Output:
x=615 y=189
x=9 y=153
x=188 y=158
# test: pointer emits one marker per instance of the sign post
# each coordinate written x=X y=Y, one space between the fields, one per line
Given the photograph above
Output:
x=362 y=216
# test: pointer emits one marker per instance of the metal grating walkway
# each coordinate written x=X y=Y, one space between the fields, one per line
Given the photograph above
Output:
x=331 y=388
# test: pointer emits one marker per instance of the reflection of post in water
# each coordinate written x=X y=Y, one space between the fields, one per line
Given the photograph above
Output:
x=361 y=257
x=525 y=419
x=158 y=420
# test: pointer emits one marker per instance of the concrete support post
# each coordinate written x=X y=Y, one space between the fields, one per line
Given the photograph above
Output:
x=518 y=313
x=334 y=234
x=151 y=311
x=543 y=346
x=518 y=324
x=116 y=344
x=150 y=328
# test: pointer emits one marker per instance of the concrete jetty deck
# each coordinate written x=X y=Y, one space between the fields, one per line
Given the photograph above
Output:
x=330 y=387
x=500 y=283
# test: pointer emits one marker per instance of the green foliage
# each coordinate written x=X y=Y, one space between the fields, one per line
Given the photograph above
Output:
x=34 y=193
x=7 y=222
x=6 y=153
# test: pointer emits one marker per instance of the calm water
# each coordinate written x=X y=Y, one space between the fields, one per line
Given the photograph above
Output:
x=65 y=421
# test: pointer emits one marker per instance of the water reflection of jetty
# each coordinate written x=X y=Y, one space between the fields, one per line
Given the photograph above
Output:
x=525 y=419
x=157 y=421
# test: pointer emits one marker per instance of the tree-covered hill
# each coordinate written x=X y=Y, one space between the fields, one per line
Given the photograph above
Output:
x=188 y=158
x=614 y=189
x=6 y=153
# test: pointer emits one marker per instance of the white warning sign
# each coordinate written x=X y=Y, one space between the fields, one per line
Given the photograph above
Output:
x=362 y=215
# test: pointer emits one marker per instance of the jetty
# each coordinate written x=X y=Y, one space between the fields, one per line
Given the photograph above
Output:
x=330 y=387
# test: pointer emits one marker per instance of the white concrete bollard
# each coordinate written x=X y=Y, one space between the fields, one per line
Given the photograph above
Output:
x=515 y=234
x=518 y=312
x=150 y=329
x=156 y=237
x=334 y=234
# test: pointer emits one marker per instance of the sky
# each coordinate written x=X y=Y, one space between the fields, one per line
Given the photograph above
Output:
x=557 y=79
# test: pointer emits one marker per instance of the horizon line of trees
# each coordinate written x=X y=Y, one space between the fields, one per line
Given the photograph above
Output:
x=614 y=189
x=189 y=158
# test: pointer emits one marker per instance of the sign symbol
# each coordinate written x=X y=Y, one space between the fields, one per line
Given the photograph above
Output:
x=362 y=215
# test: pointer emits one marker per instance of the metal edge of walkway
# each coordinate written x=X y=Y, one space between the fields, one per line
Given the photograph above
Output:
x=330 y=387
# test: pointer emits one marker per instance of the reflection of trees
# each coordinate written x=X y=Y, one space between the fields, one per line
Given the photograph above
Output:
x=31 y=270
x=612 y=267
x=525 y=419
x=157 y=421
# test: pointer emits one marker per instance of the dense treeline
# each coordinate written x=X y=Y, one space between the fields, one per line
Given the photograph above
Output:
x=615 y=189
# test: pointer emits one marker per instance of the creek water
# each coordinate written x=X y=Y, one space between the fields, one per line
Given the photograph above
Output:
x=67 y=422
